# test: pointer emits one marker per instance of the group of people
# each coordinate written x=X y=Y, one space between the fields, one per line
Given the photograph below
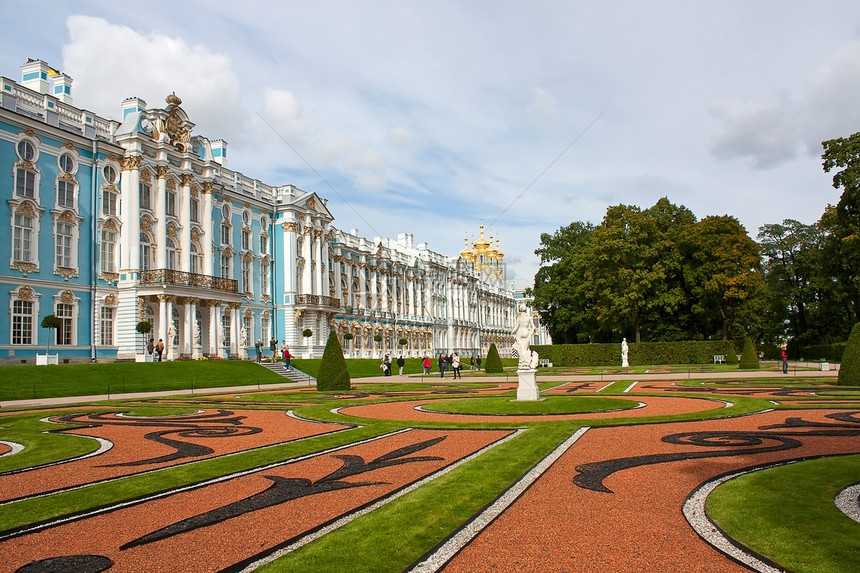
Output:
x=451 y=361
x=386 y=365
x=283 y=352
x=156 y=347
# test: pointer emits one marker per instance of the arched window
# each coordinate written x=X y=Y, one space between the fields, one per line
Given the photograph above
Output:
x=172 y=260
x=108 y=251
x=145 y=252
x=64 y=240
x=23 y=233
x=25 y=173
x=196 y=259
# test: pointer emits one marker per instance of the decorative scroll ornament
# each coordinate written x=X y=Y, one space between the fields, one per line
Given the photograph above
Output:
x=25 y=292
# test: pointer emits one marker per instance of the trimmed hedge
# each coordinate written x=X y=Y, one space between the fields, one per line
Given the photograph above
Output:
x=749 y=358
x=829 y=352
x=493 y=363
x=849 y=371
x=333 y=373
x=698 y=352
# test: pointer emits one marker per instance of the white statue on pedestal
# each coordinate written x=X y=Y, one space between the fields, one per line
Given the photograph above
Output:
x=624 y=362
x=523 y=331
x=527 y=388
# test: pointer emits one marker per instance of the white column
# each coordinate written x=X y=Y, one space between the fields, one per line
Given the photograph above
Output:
x=235 y=330
x=208 y=232
x=307 y=253
x=165 y=317
x=186 y=336
x=321 y=269
x=129 y=257
x=185 y=221
x=215 y=347
x=161 y=219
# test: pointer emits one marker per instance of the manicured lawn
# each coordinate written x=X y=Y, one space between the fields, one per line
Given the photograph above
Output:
x=787 y=514
x=28 y=382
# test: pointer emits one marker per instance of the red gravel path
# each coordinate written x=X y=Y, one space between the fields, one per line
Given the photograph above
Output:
x=130 y=445
x=558 y=526
x=232 y=540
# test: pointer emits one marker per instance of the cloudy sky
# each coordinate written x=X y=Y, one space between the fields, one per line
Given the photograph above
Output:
x=429 y=116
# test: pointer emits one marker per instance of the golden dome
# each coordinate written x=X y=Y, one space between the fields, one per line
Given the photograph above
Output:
x=467 y=253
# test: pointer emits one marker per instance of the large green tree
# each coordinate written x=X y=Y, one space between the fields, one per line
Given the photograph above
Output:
x=723 y=276
x=842 y=155
x=558 y=292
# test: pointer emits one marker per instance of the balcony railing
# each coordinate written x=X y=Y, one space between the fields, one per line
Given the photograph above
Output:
x=318 y=300
x=180 y=278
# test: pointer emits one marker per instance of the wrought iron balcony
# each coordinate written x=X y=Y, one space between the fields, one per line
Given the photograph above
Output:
x=180 y=278
x=318 y=300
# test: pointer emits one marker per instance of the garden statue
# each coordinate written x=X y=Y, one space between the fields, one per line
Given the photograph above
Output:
x=624 y=362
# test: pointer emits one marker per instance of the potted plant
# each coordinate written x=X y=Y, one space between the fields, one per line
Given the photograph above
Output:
x=347 y=336
x=144 y=327
x=307 y=333
x=50 y=322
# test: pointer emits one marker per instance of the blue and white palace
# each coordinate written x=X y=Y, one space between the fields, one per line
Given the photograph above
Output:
x=116 y=223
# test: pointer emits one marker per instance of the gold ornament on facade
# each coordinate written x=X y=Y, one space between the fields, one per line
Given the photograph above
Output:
x=195 y=234
x=195 y=192
x=110 y=300
x=30 y=133
x=67 y=297
x=311 y=203
x=171 y=230
x=208 y=186
x=186 y=179
x=25 y=268
x=25 y=292
x=161 y=171
x=289 y=227
x=66 y=272
x=26 y=208
x=171 y=184
x=145 y=224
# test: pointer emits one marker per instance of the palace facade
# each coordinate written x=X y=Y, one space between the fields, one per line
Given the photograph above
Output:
x=116 y=224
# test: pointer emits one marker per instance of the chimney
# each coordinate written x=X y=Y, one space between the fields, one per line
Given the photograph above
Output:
x=63 y=88
x=34 y=75
x=219 y=152
x=132 y=105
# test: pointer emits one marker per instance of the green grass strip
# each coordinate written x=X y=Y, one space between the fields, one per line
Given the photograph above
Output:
x=399 y=533
x=551 y=405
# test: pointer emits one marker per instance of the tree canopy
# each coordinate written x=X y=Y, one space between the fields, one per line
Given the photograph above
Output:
x=654 y=274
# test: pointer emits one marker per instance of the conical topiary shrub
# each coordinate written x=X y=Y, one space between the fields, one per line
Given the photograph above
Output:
x=749 y=359
x=333 y=374
x=493 y=363
x=849 y=370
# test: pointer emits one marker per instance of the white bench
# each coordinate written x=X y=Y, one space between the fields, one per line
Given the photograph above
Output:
x=719 y=358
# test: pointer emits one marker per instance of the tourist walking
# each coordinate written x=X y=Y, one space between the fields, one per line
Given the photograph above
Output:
x=443 y=363
x=287 y=357
x=273 y=346
x=150 y=347
x=387 y=362
x=258 y=348
x=400 y=364
x=426 y=364
x=455 y=366
x=479 y=362
x=159 y=349
x=784 y=356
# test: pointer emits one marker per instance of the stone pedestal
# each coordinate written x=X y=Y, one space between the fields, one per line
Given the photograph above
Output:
x=527 y=389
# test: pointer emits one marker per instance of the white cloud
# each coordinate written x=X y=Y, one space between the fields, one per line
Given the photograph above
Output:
x=110 y=62
x=765 y=133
